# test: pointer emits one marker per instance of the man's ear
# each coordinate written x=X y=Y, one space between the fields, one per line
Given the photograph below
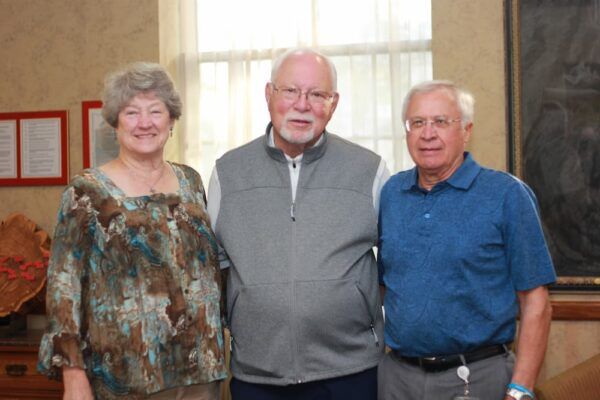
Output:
x=334 y=103
x=268 y=91
x=468 y=130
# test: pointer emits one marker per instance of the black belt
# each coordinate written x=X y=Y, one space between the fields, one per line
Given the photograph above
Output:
x=442 y=363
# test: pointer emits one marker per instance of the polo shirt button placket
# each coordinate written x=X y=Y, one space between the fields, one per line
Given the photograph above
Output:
x=427 y=206
x=425 y=224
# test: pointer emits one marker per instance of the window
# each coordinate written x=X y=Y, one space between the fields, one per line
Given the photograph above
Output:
x=380 y=49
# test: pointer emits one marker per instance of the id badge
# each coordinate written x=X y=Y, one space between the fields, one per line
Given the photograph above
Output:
x=463 y=373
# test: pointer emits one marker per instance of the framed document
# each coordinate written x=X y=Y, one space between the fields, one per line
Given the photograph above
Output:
x=99 y=142
x=33 y=148
x=8 y=149
x=555 y=127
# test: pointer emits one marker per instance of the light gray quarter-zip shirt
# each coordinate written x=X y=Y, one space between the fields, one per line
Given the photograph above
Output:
x=302 y=294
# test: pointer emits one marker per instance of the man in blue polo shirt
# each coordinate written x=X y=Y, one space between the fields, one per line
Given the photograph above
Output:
x=462 y=253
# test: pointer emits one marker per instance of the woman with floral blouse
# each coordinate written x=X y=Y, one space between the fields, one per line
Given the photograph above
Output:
x=133 y=284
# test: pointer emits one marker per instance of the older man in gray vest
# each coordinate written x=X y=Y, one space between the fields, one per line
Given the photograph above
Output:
x=295 y=213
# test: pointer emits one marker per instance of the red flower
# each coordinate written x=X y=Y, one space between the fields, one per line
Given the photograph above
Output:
x=28 y=275
x=23 y=267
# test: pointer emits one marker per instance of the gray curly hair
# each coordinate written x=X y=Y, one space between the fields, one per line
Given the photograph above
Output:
x=140 y=77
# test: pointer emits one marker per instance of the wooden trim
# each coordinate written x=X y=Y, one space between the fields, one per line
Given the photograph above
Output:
x=576 y=310
x=86 y=107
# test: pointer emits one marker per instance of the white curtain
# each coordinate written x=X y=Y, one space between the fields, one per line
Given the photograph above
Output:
x=380 y=49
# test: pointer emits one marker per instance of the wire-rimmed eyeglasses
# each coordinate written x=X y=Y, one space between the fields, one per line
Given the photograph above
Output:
x=313 y=96
x=418 y=124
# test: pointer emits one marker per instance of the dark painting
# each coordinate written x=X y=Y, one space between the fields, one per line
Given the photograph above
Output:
x=555 y=102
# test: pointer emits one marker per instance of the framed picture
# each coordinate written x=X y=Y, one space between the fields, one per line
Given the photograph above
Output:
x=99 y=142
x=34 y=148
x=554 y=69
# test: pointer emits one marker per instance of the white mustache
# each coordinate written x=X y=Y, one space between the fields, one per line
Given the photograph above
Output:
x=295 y=115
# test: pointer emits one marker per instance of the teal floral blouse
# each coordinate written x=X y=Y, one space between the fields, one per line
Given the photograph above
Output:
x=133 y=293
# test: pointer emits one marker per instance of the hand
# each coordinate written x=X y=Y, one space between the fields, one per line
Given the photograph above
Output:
x=77 y=385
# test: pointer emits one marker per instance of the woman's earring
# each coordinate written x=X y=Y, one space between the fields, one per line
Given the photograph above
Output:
x=171 y=132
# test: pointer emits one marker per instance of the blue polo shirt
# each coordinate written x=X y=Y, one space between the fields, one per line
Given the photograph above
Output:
x=453 y=258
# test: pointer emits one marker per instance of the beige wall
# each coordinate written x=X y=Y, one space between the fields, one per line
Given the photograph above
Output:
x=468 y=48
x=570 y=341
x=56 y=53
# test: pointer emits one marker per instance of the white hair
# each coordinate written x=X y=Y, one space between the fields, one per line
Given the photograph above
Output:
x=464 y=99
x=299 y=51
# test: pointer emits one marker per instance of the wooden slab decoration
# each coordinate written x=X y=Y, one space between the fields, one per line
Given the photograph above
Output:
x=24 y=254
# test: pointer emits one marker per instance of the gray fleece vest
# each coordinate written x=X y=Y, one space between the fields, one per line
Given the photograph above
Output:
x=302 y=295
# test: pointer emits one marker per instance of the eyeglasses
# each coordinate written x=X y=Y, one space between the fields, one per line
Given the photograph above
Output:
x=314 y=96
x=439 y=122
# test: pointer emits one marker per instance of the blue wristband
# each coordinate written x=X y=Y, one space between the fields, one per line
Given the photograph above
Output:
x=520 y=388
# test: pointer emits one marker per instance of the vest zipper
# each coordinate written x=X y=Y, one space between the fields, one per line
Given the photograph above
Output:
x=375 y=335
x=293 y=206
x=296 y=375
x=371 y=315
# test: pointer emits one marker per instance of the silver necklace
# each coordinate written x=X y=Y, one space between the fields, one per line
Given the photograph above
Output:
x=137 y=176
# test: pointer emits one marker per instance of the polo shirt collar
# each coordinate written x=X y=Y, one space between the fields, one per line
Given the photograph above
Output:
x=462 y=178
x=412 y=180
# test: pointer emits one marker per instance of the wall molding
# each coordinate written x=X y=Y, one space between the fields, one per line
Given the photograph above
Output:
x=576 y=310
